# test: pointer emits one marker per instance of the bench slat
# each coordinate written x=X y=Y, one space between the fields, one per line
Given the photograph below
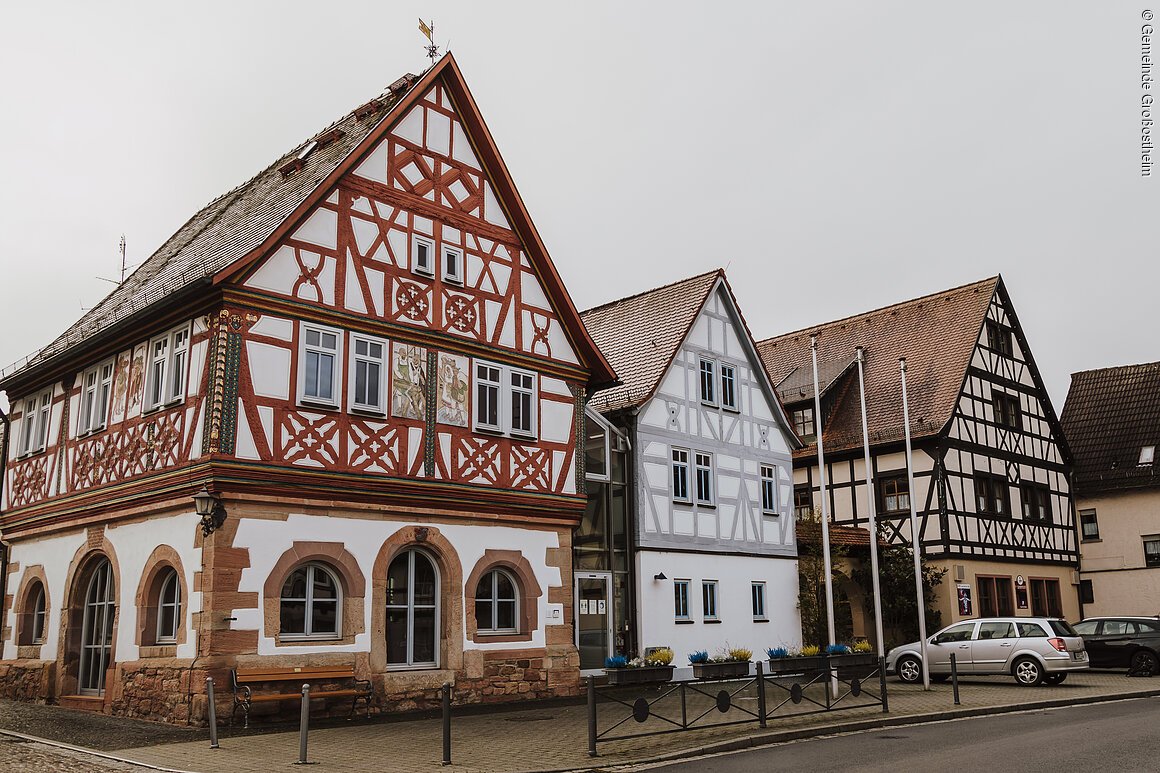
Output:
x=289 y=675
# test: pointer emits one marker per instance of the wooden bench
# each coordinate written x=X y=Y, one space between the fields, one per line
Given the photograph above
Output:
x=244 y=678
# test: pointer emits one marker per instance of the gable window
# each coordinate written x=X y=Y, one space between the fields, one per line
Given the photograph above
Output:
x=681 y=599
x=1007 y=413
x=367 y=371
x=169 y=608
x=168 y=357
x=505 y=399
x=708 y=370
x=452 y=264
x=1152 y=550
x=757 y=596
x=318 y=359
x=1089 y=525
x=768 y=489
x=709 y=600
x=894 y=494
x=422 y=255
x=991 y=495
x=495 y=603
x=999 y=338
x=1147 y=456
x=704 y=465
x=96 y=386
x=310 y=604
x=1036 y=501
x=680 y=475
x=803 y=422
x=729 y=386
x=803 y=502
x=34 y=425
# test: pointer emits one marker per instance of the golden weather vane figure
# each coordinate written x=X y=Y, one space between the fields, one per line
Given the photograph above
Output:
x=429 y=32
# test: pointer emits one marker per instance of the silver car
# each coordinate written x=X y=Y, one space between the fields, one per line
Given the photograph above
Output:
x=1034 y=650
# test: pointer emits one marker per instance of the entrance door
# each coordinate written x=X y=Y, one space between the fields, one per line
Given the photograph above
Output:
x=97 y=631
x=593 y=619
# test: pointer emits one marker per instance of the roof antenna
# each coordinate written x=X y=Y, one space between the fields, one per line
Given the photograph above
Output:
x=432 y=49
x=112 y=281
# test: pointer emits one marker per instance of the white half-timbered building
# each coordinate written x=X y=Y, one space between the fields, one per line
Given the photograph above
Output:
x=711 y=528
x=990 y=464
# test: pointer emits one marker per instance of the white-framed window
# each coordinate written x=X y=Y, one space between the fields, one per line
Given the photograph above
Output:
x=368 y=373
x=703 y=463
x=96 y=388
x=39 y=611
x=34 y=424
x=310 y=604
x=680 y=475
x=319 y=355
x=709 y=599
x=708 y=381
x=412 y=611
x=728 y=386
x=1147 y=456
x=505 y=399
x=681 y=599
x=166 y=375
x=452 y=264
x=423 y=255
x=169 y=608
x=769 y=489
x=496 y=603
x=757 y=596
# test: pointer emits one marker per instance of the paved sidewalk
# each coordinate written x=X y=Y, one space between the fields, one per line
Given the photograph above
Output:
x=555 y=738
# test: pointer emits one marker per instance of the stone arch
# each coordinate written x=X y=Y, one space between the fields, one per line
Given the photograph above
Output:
x=162 y=558
x=87 y=558
x=334 y=556
x=528 y=590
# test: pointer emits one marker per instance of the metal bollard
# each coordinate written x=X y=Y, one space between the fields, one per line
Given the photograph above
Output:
x=761 y=693
x=304 y=725
x=213 y=741
x=955 y=679
x=446 y=723
x=591 y=717
x=882 y=685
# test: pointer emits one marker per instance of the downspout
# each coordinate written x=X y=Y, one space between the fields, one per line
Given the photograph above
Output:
x=4 y=548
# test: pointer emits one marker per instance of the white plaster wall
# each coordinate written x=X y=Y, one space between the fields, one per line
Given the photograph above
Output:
x=54 y=554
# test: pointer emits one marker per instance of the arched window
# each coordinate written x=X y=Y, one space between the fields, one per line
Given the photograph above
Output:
x=169 y=608
x=97 y=629
x=310 y=604
x=496 y=606
x=412 y=610
x=33 y=614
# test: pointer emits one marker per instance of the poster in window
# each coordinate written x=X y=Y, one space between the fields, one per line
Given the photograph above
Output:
x=453 y=390
x=409 y=382
x=966 y=606
x=1020 y=592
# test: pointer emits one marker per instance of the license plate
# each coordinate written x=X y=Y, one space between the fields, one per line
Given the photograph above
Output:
x=1079 y=655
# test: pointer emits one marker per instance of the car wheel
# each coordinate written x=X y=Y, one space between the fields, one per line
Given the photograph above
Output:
x=909 y=669
x=1054 y=679
x=1144 y=663
x=1028 y=672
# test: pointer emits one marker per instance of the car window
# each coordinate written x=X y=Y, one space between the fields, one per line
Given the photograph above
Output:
x=996 y=631
x=1147 y=626
x=1116 y=627
x=1086 y=628
x=960 y=632
x=1062 y=628
x=1032 y=630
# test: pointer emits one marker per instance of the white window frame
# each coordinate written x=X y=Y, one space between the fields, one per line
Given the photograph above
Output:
x=427 y=268
x=311 y=568
x=735 y=405
x=410 y=606
x=682 y=468
x=505 y=392
x=35 y=423
x=336 y=373
x=711 y=383
x=96 y=392
x=163 y=636
x=494 y=600
x=1147 y=456
x=450 y=250
x=757 y=599
x=710 y=600
x=710 y=500
x=680 y=598
x=380 y=406
x=768 y=481
x=39 y=614
x=166 y=373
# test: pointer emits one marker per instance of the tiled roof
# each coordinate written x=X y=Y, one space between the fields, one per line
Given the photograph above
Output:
x=845 y=536
x=228 y=227
x=1110 y=414
x=640 y=334
x=936 y=333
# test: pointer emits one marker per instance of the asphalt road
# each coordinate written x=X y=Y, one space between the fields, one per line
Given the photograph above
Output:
x=1120 y=736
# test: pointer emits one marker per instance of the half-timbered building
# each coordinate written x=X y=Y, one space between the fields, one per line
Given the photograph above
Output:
x=1112 y=422
x=990 y=463
x=368 y=359
x=709 y=550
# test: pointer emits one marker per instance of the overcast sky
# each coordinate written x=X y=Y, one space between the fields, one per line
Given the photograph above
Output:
x=836 y=157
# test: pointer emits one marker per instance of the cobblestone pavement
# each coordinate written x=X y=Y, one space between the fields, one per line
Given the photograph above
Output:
x=545 y=738
x=17 y=754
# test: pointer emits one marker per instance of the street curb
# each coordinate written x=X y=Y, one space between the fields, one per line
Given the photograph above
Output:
x=761 y=739
x=89 y=752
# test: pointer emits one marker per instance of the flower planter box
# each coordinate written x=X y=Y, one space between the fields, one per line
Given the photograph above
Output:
x=811 y=664
x=858 y=665
x=643 y=675
x=731 y=670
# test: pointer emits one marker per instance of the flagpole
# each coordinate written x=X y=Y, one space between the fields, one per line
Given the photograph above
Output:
x=825 y=503
x=916 y=538
x=870 y=505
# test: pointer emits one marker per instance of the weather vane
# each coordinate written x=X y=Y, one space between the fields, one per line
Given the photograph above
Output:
x=429 y=31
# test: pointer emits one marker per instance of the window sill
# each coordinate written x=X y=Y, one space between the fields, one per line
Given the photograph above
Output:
x=708 y=505
x=306 y=402
x=291 y=639
x=712 y=621
x=684 y=621
x=453 y=280
x=730 y=409
x=366 y=410
x=761 y=619
x=521 y=437
x=159 y=650
x=426 y=274
x=706 y=404
x=1090 y=539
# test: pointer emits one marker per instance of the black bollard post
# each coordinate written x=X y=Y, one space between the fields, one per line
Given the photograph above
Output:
x=446 y=723
x=955 y=679
x=304 y=725
x=591 y=717
x=761 y=693
x=212 y=709
x=882 y=685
